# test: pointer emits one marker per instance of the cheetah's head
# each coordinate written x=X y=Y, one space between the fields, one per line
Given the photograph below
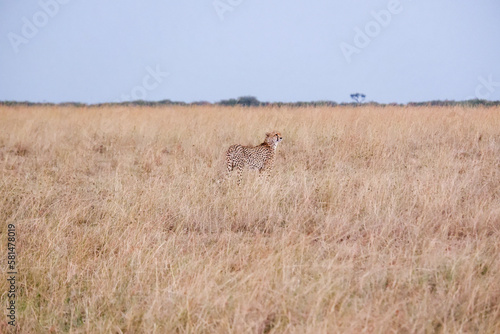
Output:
x=273 y=138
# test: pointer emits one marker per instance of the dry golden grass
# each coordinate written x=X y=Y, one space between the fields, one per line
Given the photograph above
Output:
x=375 y=220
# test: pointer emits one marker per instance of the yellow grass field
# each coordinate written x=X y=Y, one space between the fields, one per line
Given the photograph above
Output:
x=375 y=220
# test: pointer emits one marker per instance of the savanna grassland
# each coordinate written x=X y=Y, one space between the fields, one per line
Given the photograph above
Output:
x=375 y=220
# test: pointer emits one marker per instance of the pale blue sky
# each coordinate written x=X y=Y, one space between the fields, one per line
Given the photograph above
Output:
x=277 y=50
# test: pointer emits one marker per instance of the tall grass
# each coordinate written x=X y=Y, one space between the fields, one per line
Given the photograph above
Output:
x=374 y=220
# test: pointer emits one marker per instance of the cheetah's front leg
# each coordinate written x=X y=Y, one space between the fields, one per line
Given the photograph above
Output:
x=266 y=170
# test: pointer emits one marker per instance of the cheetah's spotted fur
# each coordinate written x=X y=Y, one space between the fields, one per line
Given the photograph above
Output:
x=257 y=157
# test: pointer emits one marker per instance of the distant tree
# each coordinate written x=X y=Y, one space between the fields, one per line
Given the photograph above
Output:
x=200 y=103
x=166 y=101
x=359 y=98
x=248 y=101
x=230 y=102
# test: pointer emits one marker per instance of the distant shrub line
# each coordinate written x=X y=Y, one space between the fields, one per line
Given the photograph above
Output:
x=250 y=101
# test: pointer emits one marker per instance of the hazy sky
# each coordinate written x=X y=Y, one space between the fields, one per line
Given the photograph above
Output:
x=277 y=50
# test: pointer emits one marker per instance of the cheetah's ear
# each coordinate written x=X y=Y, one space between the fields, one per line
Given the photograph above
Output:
x=269 y=134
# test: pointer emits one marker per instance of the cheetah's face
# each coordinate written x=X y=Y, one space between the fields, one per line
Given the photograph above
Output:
x=273 y=138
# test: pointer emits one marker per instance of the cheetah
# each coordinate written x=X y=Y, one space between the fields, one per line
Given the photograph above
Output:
x=258 y=157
